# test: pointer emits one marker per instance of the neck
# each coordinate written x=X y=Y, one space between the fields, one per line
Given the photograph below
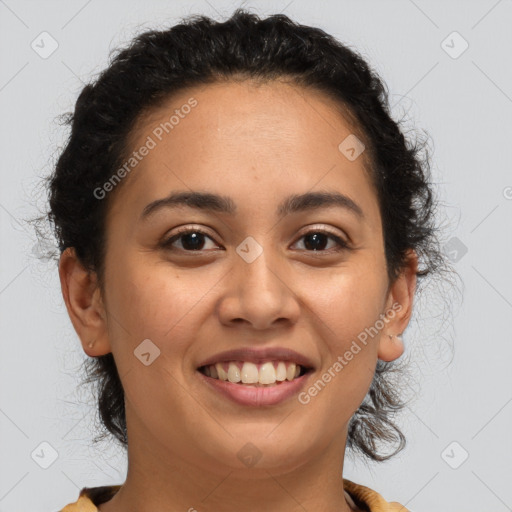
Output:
x=159 y=479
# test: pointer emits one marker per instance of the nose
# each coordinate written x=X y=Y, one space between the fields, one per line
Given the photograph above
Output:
x=259 y=294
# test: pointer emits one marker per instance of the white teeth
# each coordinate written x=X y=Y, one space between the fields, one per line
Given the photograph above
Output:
x=268 y=373
x=290 y=373
x=249 y=373
x=233 y=373
x=281 y=372
x=221 y=373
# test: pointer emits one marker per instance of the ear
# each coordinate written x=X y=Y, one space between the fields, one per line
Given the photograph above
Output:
x=84 y=303
x=398 y=310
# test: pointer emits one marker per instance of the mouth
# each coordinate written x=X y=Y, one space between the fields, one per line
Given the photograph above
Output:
x=246 y=373
x=256 y=377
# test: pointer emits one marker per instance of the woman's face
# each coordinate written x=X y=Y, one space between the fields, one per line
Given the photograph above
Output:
x=247 y=278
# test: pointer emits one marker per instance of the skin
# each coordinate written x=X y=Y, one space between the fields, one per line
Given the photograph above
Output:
x=257 y=145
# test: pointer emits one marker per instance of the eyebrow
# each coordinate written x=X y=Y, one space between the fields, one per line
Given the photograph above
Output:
x=223 y=204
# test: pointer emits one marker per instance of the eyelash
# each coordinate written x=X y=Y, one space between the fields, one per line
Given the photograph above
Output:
x=343 y=245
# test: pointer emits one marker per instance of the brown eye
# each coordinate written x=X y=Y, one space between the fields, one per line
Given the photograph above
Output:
x=316 y=240
x=191 y=240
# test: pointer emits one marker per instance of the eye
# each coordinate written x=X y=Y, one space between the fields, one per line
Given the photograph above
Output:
x=315 y=240
x=193 y=239
x=190 y=239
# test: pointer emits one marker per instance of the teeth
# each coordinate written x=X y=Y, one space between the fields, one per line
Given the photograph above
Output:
x=267 y=374
x=221 y=373
x=290 y=373
x=281 y=371
x=250 y=373
x=246 y=372
x=233 y=373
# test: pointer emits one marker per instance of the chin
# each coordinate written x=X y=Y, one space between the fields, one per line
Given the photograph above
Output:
x=254 y=452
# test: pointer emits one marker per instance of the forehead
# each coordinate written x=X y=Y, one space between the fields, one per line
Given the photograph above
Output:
x=246 y=138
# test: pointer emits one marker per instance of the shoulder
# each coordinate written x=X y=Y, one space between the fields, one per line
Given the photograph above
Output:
x=89 y=497
x=365 y=498
x=369 y=500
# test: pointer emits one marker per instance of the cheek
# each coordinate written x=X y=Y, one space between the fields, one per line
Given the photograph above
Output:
x=346 y=308
x=154 y=301
x=348 y=300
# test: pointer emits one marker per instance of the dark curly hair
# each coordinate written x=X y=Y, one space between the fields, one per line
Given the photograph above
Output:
x=199 y=50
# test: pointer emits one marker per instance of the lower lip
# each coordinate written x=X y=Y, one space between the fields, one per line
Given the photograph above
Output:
x=257 y=396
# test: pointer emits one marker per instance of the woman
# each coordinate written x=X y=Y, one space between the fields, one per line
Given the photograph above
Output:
x=241 y=226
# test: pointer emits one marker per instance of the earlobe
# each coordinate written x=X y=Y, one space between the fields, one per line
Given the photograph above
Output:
x=82 y=297
x=399 y=310
x=391 y=347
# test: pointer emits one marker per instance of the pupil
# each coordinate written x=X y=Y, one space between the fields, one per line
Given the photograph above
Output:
x=191 y=241
x=315 y=238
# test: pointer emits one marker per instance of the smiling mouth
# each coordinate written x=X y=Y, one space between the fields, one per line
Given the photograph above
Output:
x=269 y=373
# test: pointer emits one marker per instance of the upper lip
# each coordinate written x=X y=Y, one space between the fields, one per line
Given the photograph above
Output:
x=259 y=355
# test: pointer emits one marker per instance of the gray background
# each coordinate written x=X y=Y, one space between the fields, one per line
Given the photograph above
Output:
x=463 y=101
